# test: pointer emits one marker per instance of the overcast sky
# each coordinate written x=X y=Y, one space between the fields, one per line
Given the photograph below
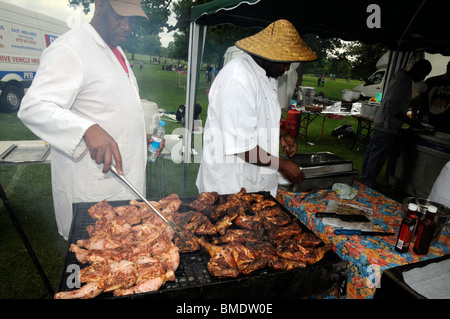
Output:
x=60 y=9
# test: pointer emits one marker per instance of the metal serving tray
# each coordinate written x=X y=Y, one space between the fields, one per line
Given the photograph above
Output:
x=321 y=164
x=323 y=182
x=193 y=279
x=25 y=153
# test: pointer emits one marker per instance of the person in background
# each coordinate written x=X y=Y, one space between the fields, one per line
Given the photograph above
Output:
x=84 y=101
x=434 y=108
x=242 y=132
x=214 y=73
x=389 y=118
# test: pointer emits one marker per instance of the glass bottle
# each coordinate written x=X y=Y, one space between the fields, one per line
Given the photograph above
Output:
x=426 y=228
x=406 y=230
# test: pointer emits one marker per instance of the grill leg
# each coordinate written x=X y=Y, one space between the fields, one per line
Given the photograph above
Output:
x=26 y=242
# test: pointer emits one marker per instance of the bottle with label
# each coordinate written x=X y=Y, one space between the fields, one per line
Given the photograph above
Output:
x=158 y=135
x=426 y=228
x=406 y=231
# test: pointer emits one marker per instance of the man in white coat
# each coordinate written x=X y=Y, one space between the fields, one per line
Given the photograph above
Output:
x=84 y=101
x=242 y=132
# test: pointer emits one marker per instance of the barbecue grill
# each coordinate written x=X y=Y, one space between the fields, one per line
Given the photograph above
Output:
x=193 y=279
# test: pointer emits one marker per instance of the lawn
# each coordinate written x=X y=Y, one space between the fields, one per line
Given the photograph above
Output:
x=28 y=187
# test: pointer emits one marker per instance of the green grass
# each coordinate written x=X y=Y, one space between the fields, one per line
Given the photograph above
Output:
x=28 y=187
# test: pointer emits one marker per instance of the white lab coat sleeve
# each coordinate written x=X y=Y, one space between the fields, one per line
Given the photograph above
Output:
x=238 y=113
x=46 y=108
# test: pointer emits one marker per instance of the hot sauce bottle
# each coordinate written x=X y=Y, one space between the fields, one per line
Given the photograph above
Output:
x=406 y=232
x=426 y=228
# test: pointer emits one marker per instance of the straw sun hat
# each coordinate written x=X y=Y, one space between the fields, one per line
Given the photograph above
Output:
x=279 y=42
x=128 y=8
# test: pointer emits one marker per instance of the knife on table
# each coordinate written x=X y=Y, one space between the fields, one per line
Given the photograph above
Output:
x=344 y=217
x=361 y=232
x=168 y=222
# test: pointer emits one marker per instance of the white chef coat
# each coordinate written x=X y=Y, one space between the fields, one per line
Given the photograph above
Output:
x=80 y=82
x=243 y=112
x=439 y=193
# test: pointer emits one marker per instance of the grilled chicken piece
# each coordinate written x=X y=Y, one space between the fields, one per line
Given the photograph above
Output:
x=264 y=250
x=151 y=275
x=263 y=204
x=221 y=263
x=274 y=216
x=163 y=249
x=231 y=207
x=267 y=250
x=226 y=222
x=146 y=211
x=239 y=236
x=307 y=240
x=253 y=222
x=270 y=222
x=204 y=201
x=102 y=210
x=296 y=252
x=102 y=242
x=96 y=272
x=290 y=230
x=187 y=244
x=122 y=275
x=102 y=277
x=251 y=198
x=90 y=290
x=129 y=213
x=170 y=204
x=195 y=222
x=91 y=256
x=286 y=264
x=245 y=259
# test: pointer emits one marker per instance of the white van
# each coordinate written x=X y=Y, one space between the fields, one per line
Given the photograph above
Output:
x=24 y=35
x=375 y=82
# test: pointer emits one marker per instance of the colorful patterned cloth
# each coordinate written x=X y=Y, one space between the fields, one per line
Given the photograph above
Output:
x=367 y=256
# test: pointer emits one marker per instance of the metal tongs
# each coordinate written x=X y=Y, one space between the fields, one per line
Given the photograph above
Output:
x=168 y=222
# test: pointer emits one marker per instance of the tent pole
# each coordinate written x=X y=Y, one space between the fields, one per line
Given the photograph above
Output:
x=197 y=35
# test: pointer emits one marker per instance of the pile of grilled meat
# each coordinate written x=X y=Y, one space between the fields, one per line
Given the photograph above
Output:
x=246 y=232
x=131 y=250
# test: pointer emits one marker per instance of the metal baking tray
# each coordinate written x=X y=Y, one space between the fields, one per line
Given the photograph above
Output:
x=323 y=182
x=193 y=279
x=321 y=164
x=25 y=153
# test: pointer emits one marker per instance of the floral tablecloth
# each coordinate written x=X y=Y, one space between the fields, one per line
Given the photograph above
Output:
x=367 y=256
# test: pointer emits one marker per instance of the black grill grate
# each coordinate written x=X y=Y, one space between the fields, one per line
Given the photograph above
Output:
x=192 y=278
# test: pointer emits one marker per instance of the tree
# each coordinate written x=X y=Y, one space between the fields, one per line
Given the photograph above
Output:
x=158 y=12
x=364 y=58
x=150 y=45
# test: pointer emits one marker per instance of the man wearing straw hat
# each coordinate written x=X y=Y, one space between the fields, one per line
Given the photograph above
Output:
x=242 y=131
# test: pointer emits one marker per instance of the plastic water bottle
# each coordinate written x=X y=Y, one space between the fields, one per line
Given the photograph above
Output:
x=158 y=135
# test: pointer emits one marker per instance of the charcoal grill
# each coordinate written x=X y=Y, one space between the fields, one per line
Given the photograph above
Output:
x=322 y=170
x=193 y=280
